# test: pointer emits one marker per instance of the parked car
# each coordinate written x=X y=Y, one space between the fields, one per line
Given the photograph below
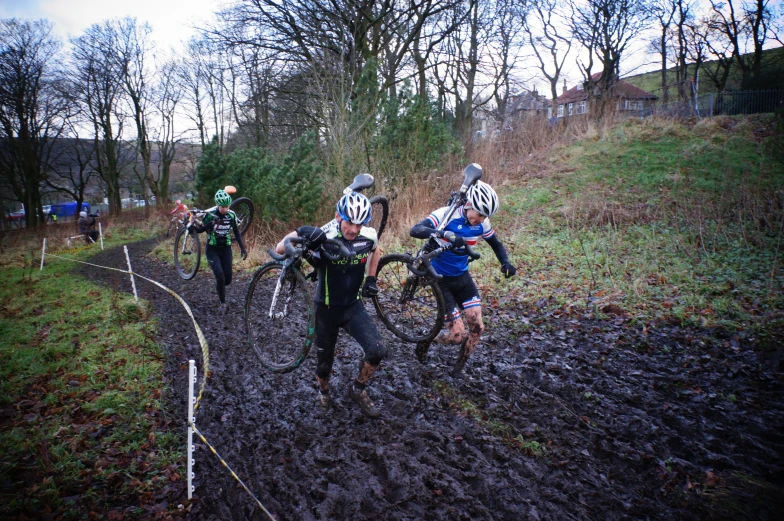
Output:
x=16 y=216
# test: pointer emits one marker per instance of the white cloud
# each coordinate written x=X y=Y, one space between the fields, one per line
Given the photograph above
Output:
x=172 y=21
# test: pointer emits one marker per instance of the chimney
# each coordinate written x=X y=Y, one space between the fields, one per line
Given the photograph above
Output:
x=564 y=90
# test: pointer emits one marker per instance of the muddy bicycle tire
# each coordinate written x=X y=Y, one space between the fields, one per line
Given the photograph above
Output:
x=380 y=209
x=411 y=306
x=280 y=343
x=187 y=253
x=243 y=208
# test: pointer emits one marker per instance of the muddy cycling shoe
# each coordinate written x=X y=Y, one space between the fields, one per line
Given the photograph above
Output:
x=462 y=358
x=364 y=402
x=421 y=351
x=323 y=400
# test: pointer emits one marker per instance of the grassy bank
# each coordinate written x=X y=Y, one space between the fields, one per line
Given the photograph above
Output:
x=83 y=423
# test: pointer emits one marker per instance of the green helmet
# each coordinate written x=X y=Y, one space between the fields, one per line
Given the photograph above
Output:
x=222 y=198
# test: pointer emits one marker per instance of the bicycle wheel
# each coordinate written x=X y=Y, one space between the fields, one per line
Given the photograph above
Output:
x=281 y=336
x=243 y=208
x=380 y=209
x=187 y=253
x=412 y=307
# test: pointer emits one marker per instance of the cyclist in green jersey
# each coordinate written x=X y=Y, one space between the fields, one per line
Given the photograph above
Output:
x=219 y=223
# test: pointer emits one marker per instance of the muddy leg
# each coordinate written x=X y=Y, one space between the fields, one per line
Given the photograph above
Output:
x=454 y=334
x=357 y=390
x=475 y=329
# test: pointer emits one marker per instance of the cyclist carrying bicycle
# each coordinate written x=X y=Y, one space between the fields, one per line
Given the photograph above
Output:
x=468 y=225
x=337 y=296
x=219 y=223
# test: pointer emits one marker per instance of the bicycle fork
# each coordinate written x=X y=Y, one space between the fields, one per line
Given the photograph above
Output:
x=280 y=314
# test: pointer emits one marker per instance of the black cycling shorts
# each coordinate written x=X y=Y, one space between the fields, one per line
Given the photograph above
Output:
x=355 y=321
x=459 y=293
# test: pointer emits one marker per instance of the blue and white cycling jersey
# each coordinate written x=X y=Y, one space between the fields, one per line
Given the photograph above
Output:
x=448 y=263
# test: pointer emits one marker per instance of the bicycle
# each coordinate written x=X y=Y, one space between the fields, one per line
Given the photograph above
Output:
x=410 y=302
x=379 y=204
x=280 y=299
x=187 y=247
x=175 y=223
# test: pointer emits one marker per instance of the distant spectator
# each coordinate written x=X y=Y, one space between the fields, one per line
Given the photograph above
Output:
x=87 y=226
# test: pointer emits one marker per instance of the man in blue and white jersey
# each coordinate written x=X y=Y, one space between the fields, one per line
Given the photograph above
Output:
x=468 y=225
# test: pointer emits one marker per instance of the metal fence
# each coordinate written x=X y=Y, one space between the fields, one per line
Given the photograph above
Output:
x=726 y=103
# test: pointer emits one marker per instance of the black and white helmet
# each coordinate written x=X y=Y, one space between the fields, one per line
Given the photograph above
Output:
x=354 y=208
x=483 y=198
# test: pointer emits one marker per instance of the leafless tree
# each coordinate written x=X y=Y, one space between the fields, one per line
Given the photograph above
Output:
x=550 y=39
x=133 y=49
x=167 y=94
x=746 y=25
x=605 y=28
x=72 y=169
x=31 y=111
x=96 y=85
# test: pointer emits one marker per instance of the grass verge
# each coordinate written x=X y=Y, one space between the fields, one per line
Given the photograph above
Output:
x=82 y=425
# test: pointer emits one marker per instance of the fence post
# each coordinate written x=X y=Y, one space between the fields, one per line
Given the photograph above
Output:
x=191 y=421
x=133 y=282
x=43 y=254
x=711 y=104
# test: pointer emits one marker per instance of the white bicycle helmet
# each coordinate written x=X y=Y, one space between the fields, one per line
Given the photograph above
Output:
x=483 y=198
x=354 y=208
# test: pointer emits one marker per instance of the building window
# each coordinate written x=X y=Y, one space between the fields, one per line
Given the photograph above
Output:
x=632 y=105
x=571 y=106
x=581 y=107
x=560 y=111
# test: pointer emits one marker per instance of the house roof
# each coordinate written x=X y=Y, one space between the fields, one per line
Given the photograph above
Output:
x=622 y=90
x=530 y=100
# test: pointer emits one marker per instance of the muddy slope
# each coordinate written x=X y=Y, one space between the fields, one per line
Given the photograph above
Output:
x=569 y=419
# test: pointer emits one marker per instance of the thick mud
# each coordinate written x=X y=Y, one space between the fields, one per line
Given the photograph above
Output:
x=557 y=419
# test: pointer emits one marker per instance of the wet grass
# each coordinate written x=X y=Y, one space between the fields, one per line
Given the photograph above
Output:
x=80 y=390
x=656 y=221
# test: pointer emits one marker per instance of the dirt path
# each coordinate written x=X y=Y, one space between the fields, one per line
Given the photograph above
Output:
x=673 y=424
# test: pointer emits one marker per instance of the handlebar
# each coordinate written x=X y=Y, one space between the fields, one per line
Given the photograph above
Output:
x=292 y=251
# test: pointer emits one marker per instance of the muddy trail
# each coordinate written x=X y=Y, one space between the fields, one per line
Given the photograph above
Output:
x=557 y=418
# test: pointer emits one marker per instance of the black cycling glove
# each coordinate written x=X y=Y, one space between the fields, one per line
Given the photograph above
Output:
x=456 y=240
x=508 y=270
x=369 y=288
x=314 y=235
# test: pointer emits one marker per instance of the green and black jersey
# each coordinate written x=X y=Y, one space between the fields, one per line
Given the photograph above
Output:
x=340 y=281
x=218 y=227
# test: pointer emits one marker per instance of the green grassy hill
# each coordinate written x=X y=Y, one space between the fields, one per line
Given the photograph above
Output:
x=772 y=62
x=653 y=220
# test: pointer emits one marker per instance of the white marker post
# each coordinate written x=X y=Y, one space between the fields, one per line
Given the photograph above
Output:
x=43 y=254
x=133 y=283
x=191 y=421
x=100 y=232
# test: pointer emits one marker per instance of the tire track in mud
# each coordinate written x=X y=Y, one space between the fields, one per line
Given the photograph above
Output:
x=622 y=440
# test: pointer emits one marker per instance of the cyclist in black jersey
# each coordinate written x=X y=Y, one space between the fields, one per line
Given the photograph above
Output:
x=337 y=297
x=468 y=225
x=219 y=224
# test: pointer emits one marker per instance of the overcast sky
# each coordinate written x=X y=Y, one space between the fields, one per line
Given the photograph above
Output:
x=172 y=21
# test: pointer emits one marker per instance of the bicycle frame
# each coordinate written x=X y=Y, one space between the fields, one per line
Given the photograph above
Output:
x=293 y=254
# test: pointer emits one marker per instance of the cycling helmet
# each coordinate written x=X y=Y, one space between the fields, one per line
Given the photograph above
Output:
x=177 y=202
x=483 y=199
x=222 y=198
x=83 y=214
x=354 y=208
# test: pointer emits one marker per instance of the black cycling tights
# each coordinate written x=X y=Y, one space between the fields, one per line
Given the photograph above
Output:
x=220 y=262
x=357 y=323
